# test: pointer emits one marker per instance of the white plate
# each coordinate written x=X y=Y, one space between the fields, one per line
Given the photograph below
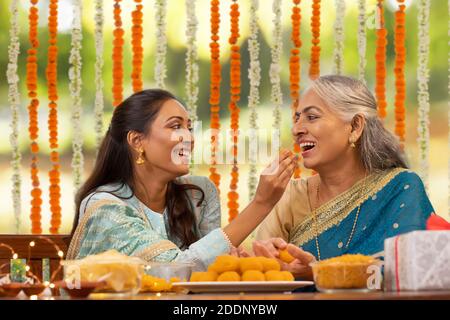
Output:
x=242 y=286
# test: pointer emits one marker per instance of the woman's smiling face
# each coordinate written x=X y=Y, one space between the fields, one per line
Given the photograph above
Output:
x=322 y=135
x=169 y=142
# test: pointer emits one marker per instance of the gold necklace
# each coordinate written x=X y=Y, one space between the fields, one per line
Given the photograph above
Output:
x=315 y=219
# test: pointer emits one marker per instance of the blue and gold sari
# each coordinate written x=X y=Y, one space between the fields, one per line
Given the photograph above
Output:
x=391 y=203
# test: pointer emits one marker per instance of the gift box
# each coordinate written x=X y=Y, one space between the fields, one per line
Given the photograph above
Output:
x=418 y=260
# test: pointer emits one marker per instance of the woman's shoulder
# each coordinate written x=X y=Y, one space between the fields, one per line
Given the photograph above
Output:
x=402 y=176
x=108 y=194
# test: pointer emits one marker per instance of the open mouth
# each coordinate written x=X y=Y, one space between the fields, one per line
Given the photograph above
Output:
x=306 y=146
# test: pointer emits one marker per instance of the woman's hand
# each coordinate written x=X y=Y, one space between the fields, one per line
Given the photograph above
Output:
x=239 y=252
x=274 y=179
x=299 y=267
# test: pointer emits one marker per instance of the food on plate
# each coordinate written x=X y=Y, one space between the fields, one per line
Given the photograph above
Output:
x=225 y=263
x=250 y=263
x=253 y=275
x=229 y=276
x=204 y=276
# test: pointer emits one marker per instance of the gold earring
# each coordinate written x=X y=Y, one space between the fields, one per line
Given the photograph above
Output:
x=140 y=159
x=352 y=143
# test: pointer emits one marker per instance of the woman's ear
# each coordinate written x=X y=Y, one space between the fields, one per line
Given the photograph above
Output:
x=358 y=123
x=134 y=139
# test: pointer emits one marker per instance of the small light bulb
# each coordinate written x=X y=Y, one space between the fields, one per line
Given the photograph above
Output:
x=33 y=297
x=60 y=253
x=32 y=244
x=46 y=283
x=52 y=285
x=27 y=268
x=15 y=256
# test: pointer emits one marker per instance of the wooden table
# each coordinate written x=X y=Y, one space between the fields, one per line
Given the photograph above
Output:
x=424 y=295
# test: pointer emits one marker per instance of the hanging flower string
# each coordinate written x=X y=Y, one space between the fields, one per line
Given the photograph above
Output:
x=33 y=127
x=75 y=93
x=214 y=94
x=294 y=68
x=117 y=55
x=422 y=83
x=362 y=42
x=14 y=101
x=276 y=96
x=161 y=43
x=191 y=60
x=52 y=83
x=338 y=54
x=448 y=63
x=380 y=58
x=399 y=70
x=254 y=75
x=314 y=66
x=235 y=88
x=99 y=101
x=136 y=44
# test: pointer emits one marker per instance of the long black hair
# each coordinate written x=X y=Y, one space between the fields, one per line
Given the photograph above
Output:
x=114 y=163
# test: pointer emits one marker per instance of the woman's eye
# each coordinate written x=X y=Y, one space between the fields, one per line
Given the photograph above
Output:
x=176 y=126
x=312 y=117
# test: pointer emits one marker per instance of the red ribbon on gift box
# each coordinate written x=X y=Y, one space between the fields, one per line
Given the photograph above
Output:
x=436 y=222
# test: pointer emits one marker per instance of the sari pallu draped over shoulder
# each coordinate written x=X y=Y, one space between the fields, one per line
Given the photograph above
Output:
x=392 y=202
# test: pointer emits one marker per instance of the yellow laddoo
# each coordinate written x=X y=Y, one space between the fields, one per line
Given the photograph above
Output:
x=225 y=263
x=253 y=275
x=250 y=263
x=154 y=284
x=288 y=276
x=270 y=264
x=204 y=276
x=229 y=276
x=285 y=256
x=274 y=275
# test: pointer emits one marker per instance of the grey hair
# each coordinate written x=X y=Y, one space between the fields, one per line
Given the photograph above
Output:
x=379 y=149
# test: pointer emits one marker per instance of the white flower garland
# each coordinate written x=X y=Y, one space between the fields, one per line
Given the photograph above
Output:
x=362 y=41
x=14 y=101
x=75 y=93
x=191 y=60
x=254 y=74
x=99 y=102
x=338 y=54
x=276 y=96
x=423 y=96
x=161 y=43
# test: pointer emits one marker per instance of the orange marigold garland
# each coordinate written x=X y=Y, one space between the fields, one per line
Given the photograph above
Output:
x=33 y=128
x=117 y=56
x=294 y=67
x=52 y=82
x=314 y=67
x=380 y=58
x=214 y=98
x=136 y=43
x=235 y=90
x=399 y=70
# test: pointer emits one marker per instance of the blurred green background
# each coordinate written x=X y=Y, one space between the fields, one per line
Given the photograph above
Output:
x=176 y=20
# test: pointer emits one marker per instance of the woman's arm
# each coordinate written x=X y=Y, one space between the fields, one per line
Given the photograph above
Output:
x=269 y=191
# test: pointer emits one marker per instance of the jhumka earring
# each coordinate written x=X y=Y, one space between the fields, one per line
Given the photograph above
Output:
x=140 y=159
x=352 y=143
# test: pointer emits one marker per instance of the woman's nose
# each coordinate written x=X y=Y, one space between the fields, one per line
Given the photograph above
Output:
x=298 y=128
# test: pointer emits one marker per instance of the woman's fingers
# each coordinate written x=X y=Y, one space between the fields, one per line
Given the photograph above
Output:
x=302 y=256
x=264 y=249
x=279 y=243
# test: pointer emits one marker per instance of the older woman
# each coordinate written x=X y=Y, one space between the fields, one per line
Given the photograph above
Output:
x=363 y=192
